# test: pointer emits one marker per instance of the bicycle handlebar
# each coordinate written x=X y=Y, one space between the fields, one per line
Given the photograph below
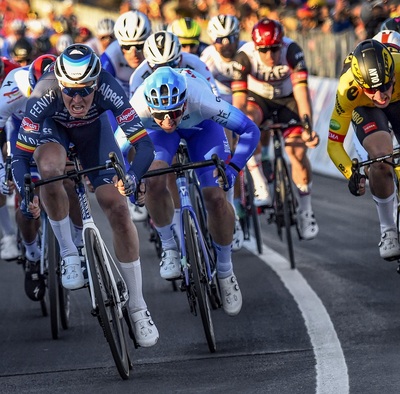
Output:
x=113 y=162
x=356 y=165
x=178 y=168
x=279 y=126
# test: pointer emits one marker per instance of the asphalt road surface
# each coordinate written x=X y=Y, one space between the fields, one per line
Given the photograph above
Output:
x=330 y=326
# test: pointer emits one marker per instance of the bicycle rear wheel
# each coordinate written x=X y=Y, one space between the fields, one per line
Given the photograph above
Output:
x=252 y=210
x=199 y=277
x=59 y=297
x=283 y=206
x=107 y=309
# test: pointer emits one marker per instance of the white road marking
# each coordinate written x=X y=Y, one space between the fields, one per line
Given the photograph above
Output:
x=331 y=368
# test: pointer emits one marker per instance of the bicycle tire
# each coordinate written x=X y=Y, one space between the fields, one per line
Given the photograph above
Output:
x=199 y=277
x=196 y=197
x=106 y=307
x=283 y=198
x=252 y=210
x=59 y=297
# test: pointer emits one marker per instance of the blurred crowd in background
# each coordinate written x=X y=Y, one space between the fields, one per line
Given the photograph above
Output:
x=327 y=30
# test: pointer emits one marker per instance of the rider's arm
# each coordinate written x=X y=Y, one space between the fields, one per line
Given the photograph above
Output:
x=242 y=68
x=347 y=98
x=299 y=78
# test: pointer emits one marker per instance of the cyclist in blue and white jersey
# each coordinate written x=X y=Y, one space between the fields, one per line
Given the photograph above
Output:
x=68 y=105
x=179 y=104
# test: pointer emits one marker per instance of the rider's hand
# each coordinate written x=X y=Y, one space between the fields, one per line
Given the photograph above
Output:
x=231 y=175
x=129 y=187
x=357 y=184
x=312 y=140
x=33 y=210
x=7 y=188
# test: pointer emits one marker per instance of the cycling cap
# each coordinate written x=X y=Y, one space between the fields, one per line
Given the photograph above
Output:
x=22 y=50
x=372 y=64
x=38 y=67
x=165 y=89
x=105 y=27
x=267 y=33
x=223 y=26
x=132 y=27
x=391 y=24
x=390 y=38
x=63 y=42
x=161 y=48
x=187 y=30
x=77 y=64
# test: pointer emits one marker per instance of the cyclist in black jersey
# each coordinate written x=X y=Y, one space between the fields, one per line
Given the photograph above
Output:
x=68 y=106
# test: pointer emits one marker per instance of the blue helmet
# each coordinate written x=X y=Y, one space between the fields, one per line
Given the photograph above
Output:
x=165 y=89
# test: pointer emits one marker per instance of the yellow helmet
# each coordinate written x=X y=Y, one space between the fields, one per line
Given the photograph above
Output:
x=187 y=30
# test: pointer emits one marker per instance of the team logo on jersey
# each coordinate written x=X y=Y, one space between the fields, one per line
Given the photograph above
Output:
x=352 y=93
x=127 y=116
x=29 y=125
x=371 y=126
x=109 y=94
x=334 y=125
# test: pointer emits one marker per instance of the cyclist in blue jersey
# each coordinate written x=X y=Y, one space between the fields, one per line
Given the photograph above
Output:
x=68 y=105
x=179 y=103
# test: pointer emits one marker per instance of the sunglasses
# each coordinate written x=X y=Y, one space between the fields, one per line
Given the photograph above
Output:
x=273 y=49
x=171 y=114
x=172 y=64
x=138 y=47
x=189 y=45
x=226 y=40
x=104 y=38
x=382 y=88
x=83 y=92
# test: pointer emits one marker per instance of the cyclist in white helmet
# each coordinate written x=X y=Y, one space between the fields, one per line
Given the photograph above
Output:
x=223 y=31
x=390 y=38
x=123 y=56
x=104 y=36
x=63 y=42
x=81 y=93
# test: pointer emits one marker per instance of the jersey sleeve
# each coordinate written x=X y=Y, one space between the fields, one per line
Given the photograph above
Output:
x=241 y=70
x=297 y=62
x=346 y=100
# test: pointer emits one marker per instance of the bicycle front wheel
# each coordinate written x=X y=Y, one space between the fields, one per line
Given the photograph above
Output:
x=283 y=204
x=252 y=210
x=59 y=297
x=106 y=302
x=199 y=277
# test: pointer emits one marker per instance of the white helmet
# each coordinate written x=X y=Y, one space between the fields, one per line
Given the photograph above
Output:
x=63 y=42
x=389 y=38
x=77 y=64
x=132 y=27
x=162 y=47
x=105 y=27
x=223 y=26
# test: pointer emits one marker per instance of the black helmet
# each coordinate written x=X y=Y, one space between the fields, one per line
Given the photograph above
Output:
x=391 y=24
x=372 y=64
x=22 y=50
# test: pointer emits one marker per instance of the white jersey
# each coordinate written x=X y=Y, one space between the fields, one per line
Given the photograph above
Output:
x=188 y=60
x=14 y=94
x=113 y=61
x=269 y=82
x=221 y=70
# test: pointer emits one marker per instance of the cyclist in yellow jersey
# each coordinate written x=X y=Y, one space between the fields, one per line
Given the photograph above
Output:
x=368 y=97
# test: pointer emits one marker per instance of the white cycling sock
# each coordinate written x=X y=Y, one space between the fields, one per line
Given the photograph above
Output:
x=32 y=250
x=224 y=261
x=176 y=223
x=386 y=209
x=166 y=234
x=5 y=220
x=304 y=197
x=62 y=231
x=132 y=274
